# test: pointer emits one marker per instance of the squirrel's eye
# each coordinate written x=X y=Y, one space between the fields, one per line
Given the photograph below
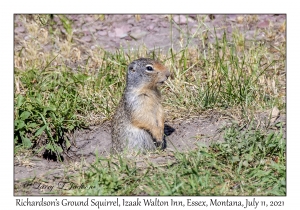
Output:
x=149 y=68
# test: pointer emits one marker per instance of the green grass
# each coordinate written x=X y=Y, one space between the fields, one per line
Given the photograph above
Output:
x=247 y=163
x=232 y=75
x=52 y=102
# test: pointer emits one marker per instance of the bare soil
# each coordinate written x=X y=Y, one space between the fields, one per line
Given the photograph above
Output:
x=181 y=136
x=112 y=33
x=184 y=135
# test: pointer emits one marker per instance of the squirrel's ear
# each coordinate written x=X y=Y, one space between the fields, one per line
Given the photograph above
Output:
x=131 y=68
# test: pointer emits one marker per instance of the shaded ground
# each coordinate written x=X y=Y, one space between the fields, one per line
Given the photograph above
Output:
x=124 y=30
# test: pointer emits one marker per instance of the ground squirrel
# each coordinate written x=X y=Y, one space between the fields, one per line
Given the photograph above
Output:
x=138 y=123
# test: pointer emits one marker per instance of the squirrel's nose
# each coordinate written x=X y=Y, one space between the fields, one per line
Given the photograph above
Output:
x=168 y=74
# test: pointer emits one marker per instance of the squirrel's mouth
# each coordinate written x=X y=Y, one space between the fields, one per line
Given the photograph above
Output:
x=161 y=83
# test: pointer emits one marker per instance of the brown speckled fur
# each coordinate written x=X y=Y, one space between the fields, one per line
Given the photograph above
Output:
x=138 y=123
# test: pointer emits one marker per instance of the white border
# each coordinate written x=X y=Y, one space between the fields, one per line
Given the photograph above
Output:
x=153 y=6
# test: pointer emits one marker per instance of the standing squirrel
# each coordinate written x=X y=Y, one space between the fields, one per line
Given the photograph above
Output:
x=138 y=123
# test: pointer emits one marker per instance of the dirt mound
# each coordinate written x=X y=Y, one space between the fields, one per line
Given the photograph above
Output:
x=181 y=136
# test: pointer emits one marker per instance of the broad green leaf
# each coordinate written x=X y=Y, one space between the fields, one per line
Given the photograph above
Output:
x=26 y=142
x=16 y=123
x=32 y=125
x=68 y=144
x=39 y=131
x=21 y=124
x=58 y=149
x=49 y=147
x=25 y=115
x=19 y=101
x=71 y=127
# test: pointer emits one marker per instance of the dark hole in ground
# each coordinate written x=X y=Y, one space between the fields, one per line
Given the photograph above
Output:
x=49 y=155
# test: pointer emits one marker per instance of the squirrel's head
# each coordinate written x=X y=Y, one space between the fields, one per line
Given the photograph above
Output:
x=145 y=72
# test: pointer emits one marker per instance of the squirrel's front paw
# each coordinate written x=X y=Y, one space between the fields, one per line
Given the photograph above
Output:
x=158 y=141
x=160 y=144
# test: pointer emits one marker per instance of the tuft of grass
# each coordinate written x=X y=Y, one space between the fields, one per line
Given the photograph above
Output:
x=224 y=78
x=48 y=109
x=51 y=103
